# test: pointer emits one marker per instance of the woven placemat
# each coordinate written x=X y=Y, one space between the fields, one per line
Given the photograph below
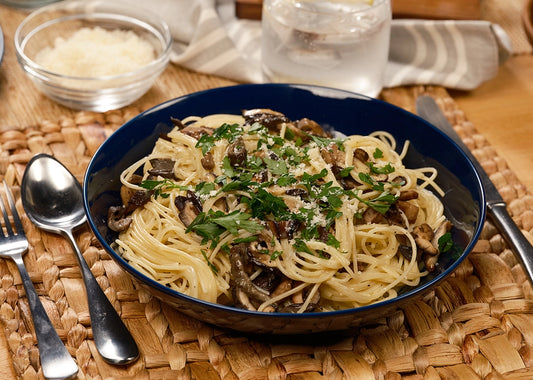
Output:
x=476 y=325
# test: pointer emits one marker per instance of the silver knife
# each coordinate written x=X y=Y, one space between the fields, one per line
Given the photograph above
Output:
x=427 y=108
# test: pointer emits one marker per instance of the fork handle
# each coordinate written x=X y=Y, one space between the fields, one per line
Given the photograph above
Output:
x=56 y=362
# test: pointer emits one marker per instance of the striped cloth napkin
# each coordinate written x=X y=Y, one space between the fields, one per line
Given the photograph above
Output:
x=208 y=38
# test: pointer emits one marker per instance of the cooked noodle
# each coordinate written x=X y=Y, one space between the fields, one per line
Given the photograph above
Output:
x=355 y=263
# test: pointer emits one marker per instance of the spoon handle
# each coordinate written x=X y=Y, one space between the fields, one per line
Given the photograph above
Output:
x=111 y=337
x=56 y=362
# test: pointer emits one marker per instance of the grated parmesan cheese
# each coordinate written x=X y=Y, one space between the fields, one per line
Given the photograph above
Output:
x=95 y=52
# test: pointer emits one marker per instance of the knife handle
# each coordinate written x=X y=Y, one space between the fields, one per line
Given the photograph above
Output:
x=513 y=235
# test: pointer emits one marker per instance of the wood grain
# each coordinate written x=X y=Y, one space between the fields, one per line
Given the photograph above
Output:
x=425 y=9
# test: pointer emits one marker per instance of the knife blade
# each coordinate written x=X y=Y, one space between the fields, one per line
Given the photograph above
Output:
x=428 y=109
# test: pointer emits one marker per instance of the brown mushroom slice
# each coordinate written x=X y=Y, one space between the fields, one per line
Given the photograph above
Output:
x=284 y=229
x=268 y=280
x=189 y=207
x=127 y=192
x=406 y=251
x=260 y=255
x=163 y=167
x=347 y=183
x=371 y=216
x=242 y=300
x=138 y=199
x=284 y=286
x=208 y=163
x=441 y=230
x=197 y=132
x=410 y=210
x=332 y=155
x=423 y=235
x=116 y=219
x=361 y=155
x=408 y=195
x=311 y=127
x=430 y=262
x=265 y=116
x=240 y=277
x=177 y=122
x=237 y=152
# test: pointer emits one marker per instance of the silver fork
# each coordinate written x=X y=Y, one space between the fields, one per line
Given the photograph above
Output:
x=56 y=362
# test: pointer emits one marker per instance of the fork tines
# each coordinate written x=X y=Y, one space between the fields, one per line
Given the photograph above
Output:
x=16 y=219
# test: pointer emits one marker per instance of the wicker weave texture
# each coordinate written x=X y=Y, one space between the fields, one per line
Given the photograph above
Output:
x=476 y=325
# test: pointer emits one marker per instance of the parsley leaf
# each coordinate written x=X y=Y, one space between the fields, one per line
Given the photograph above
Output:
x=158 y=187
x=212 y=224
x=387 y=169
x=324 y=142
x=445 y=242
x=276 y=167
x=381 y=203
x=263 y=203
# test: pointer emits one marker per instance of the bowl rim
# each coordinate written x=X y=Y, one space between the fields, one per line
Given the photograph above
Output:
x=412 y=292
x=163 y=35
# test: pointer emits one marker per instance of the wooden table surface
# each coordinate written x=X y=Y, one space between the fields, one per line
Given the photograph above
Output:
x=500 y=110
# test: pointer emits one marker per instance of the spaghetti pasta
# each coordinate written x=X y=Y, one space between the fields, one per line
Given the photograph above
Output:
x=269 y=214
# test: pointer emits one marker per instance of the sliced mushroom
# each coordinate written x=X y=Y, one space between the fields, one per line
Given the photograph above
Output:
x=116 y=220
x=441 y=230
x=430 y=262
x=284 y=286
x=237 y=153
x=126 y=192
x=423 y=236
x=264 y=116
x=284 y=229
x=361 y=155
x=410 y=210
x=177 y=122
x=189 y=207
x=163 y=167
x=138 y=199
x=242 y=300
x=332 y=155
x=296 y=192
x=408 y=195
x=406 y=251
x=240 y=277
x=268 y=280
x=260 y=255
x=197 y=132
x=372 y=216
x=347 y=182
x=208 y=163
x=311 y=127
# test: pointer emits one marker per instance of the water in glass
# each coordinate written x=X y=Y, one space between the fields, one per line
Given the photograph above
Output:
x=336 y=43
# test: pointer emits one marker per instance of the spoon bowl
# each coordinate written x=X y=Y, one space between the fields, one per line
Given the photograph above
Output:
x=53 y=200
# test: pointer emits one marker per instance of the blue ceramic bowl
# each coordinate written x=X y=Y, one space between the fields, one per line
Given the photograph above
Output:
x=345 y=112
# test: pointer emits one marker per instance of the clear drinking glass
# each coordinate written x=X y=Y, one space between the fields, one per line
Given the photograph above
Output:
x=335 y=43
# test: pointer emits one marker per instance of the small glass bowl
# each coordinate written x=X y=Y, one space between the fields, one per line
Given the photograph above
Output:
x=27 y=4
x=41 y=28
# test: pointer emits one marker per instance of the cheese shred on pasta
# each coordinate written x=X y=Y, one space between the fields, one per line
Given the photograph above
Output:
x=267 y=214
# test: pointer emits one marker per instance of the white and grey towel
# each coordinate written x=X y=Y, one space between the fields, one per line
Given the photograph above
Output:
x=208 y=38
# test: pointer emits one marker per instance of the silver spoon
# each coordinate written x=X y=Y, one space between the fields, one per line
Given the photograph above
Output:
x=52 y=199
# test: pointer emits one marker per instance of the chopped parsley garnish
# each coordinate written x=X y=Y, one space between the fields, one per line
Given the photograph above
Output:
x=212 y=224
x=273 y=161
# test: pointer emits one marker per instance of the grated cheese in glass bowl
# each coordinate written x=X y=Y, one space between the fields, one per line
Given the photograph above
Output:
x=93 y=55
